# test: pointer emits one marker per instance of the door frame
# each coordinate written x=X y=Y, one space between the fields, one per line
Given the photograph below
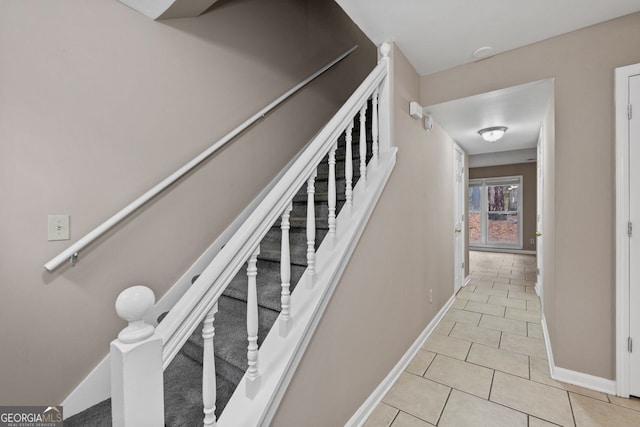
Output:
x=622 y=75
x=459 y=193
x=540 y=150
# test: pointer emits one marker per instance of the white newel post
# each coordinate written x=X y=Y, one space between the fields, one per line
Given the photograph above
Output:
x=209 y=369
x=285 y=274
x=374 y=127
x=137 y=394
x=332 y=196
x=384 y=101
x=311 y=230
x=363 y=146
x=254 y=379
x=348 y=169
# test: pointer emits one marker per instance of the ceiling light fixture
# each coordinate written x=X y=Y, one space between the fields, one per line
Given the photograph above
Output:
x=482 y=52
x=492 y=134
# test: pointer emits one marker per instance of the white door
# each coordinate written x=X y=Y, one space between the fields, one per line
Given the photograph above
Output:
x=539 y=210
x=634 y=241
x=458 y=219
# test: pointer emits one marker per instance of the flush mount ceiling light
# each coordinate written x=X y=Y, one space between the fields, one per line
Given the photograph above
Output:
x=492 y=134
x=482 y=52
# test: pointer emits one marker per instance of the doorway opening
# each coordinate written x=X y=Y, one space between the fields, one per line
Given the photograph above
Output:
x=504 y=176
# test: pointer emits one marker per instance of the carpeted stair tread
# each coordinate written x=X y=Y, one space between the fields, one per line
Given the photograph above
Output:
x=321 y=212
x=230 y=340
x=268 y=284
x=182 y=398
x=270 y=246
x=319 y=197
x=183 y=393
x=99 y=415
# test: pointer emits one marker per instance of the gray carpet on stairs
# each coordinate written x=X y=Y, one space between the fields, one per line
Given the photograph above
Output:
x=183 y=377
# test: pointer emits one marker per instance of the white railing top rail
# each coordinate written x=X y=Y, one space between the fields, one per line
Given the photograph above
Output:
x=189 y=311
x=71 y=253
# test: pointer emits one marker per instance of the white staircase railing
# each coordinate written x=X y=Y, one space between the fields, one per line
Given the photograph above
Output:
x=271 y=365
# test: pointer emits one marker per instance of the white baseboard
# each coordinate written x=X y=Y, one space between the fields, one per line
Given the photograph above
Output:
x=96 y=386
x=502 y=250
x=591 y=382
x=547 y=343
x=466 y=281
x=600 y=384
x=537 y=289
x=378 y=394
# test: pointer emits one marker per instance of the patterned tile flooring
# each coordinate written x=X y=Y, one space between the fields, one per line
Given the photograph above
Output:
x=486 y=363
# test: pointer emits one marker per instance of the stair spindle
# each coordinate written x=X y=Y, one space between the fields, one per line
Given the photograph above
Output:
x=254 y=379
x=348 y=169
x=374 y=128
x=363 y=145
x=209 y=369
x=285 y=274
x=311 y=230
x=331 y=237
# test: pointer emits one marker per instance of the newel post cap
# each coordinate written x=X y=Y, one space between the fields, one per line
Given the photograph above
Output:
x=132 y=305
x=385 y=49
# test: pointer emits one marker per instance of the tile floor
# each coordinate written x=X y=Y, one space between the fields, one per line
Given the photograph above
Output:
x=486 y=363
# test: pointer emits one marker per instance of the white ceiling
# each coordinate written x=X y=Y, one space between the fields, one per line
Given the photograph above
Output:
x=439 y=34
x=520 y=108
x=436 y=35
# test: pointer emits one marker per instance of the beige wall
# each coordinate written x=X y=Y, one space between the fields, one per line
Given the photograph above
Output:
x=382 y=302
x=582 y=63
x=528 y=173
x=97 y=104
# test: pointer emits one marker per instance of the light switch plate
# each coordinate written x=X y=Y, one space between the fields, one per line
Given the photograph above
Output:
x=58 y=227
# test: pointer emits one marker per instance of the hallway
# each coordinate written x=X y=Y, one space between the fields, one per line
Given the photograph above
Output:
x=486 y=363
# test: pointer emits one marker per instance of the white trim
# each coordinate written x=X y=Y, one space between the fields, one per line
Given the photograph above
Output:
x=622 y=75
x=96 y=386
x=591 y=382
x=537 y=289
x=280 y=356
x=365 y=410
x=93 y=389
x=547 y=343
x=466 y=281
x=501 y=250
x=158 y=8
x=461 y=198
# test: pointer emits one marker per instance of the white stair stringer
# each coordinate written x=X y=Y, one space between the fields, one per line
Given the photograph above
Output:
x=279 y=356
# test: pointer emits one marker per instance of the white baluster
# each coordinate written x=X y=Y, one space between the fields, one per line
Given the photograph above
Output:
x=285 y=274
x=209 y=369
x=137 y=395
x=311 y=230
x=348 y=169
x=331 y=236
x=374 y=127
x=254 y=378
x=384 y=101
x=363 y=145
